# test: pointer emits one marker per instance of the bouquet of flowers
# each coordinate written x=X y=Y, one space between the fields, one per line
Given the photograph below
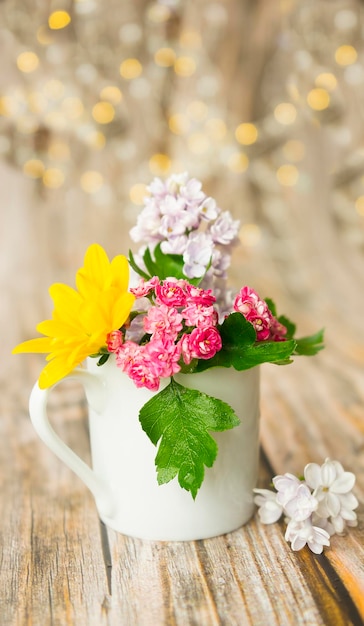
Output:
x=178 y=315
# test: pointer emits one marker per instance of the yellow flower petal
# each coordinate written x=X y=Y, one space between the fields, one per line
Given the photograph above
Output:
x=82 y=319
x=39 y=345
x=120 y=272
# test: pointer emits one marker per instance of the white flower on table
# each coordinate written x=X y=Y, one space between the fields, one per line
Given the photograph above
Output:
x=269 y=509
x=332 y=487
x=315 y=508
x=301 y=533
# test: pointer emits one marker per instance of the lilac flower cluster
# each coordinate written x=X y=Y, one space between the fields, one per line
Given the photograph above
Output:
x=180 y=216
x=315 y=508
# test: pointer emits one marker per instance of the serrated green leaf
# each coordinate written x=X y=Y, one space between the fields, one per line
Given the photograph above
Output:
x=180 y=419
x=310 y=345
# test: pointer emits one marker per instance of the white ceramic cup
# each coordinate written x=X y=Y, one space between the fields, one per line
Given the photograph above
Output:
x=123 y=476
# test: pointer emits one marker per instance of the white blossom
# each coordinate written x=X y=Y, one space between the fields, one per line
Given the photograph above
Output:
x=301 y=533
x=286 y=485
x=225 y=229
x=315 y=508
x=269 y=509
x=197 y=255
x=332 y=488
x=174 y=245
x=301 y=505
x=208 y=209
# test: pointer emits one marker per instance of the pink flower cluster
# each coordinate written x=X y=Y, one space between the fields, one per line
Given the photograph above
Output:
x=257 y=312
x=179 y=326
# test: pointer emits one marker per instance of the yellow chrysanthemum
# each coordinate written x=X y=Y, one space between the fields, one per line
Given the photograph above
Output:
x=82 y=319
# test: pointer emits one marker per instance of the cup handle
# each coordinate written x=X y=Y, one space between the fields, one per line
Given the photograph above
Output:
x=96 y=395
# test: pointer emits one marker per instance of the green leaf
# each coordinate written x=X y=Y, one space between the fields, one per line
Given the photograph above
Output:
x=272 y=307
x=149 y=263
x=242 y=351
x=310 y=345
x=180 y=419
x=171 y=265
x=136 y=268
x=291 y=327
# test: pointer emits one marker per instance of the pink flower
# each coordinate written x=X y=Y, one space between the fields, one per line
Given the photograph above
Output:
x=127 y=354
x=196 y=295
x=256 y=311
x=142 y=375
x=164 y=355
x=278 y=331
x=143 y=288
x=114 y=340
x=200 y=315
x=185 y=348
x=171 y=293
x=249 y=303
x=261 y=326
x=163 y=320
x=204 y=342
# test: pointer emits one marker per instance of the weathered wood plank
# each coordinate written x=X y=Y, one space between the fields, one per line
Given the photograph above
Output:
x=52 y=566
x=250 y=576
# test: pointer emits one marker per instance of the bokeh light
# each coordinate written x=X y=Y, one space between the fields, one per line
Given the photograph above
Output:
x=246 y=133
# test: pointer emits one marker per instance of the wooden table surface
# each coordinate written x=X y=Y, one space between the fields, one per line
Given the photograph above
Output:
x=60 y=566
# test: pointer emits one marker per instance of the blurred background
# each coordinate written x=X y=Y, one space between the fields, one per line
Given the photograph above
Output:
x=262 y=100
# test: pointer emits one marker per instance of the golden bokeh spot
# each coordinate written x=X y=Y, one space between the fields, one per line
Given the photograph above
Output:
x=37 y=102
x=327 y=80
x=53 y=178
x=198 y=143
x=359 y=205
x=112 y=94
x=26 y=124
x=345 y=55
x=238 y=162
x=96 y=140
x=44 y=37
x=246 y=133
x=294 y=150
x=250 y=235
x=179 y=124
x=216 y=128
x=185 y=66
x=158 y=13
x=287 y=175
x=318 y=99
x=73 y=107
x=165 y=57
x=34 y=168
x=190 y=39
x=27 y=62
x=285 y=113
x=54 y=89
x=59 y=151
x=137 y=193
x=91 y=181
x=197 y=110
x=159 y=164
x=58 y=20
x=56 y=120
x=130 y=68
x=6 y=106
x=103 y=112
